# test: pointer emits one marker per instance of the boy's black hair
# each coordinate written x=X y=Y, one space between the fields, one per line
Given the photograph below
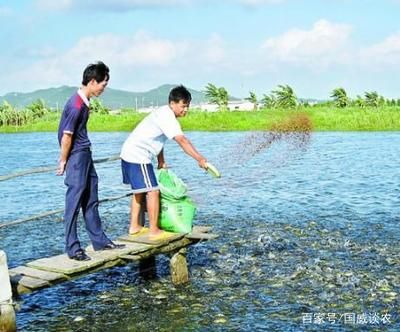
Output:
x=98 y=71
x=179 y=93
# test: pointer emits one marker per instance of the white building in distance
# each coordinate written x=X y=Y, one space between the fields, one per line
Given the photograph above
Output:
x=233 y=105
x=236 y=105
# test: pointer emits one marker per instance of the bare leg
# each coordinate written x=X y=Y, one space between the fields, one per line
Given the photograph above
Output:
x=153 y=210
x=136 y=206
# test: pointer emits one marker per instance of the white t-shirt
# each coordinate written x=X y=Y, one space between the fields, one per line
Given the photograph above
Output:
x=148 y=138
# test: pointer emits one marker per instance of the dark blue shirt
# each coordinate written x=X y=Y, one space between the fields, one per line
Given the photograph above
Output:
x=73 y=120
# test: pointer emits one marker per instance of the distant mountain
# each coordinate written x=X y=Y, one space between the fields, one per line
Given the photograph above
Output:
x=56 y=97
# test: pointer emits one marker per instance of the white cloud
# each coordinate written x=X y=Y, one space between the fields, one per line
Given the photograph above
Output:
x=127 y=56
x=106 y=5
x=51 y=5
x=140 y=49
x=260 y=2
x=213 y=49
x=385 y=53
x=123 y=5
x=128 y=5
x=43 y=52
x=325 y=43
x=141 y=61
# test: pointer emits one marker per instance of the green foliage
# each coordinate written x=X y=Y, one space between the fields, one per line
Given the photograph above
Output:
x=285 y=97
x=217 y=96
x=10 y=116
x=268 y=101
x=371 y=99
x=96 y=106
x=340 y=98
x=38 y=108
x=253 y=99
x=359 y=102
x=304 y=103
x=324 y=118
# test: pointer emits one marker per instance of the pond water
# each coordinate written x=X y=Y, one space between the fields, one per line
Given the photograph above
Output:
x=308 y=241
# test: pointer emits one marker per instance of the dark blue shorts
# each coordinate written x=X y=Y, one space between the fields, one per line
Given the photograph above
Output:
x=141 y=177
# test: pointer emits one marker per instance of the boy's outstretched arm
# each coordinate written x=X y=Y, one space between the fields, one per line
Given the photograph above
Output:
x=188 y=147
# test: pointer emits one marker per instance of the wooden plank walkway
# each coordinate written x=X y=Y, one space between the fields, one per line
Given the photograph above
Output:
x=49 y=271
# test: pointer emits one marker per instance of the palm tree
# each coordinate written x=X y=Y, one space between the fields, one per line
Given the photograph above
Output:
x=38 y=108
x=371 y=98
x=340 y=98
x=285 y=96
x=212 y=93
x=253 y=99
x=268 y=101
x=96 y=106
x=223 y=98
x=359 y=102
x=217 y=96
x=382 y=101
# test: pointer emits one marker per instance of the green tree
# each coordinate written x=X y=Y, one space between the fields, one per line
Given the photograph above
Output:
x=96 y=106
x=304 y=103
x=285 y=97
x=253 y=99
x=359 y=102
x=268 y=101
x=371 y=99
x=340 y=98
x=217 y=96
x=38 y=108
x=6 y=113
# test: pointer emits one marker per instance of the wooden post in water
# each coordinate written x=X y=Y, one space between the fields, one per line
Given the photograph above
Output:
x=7 y=314
x=178 y=267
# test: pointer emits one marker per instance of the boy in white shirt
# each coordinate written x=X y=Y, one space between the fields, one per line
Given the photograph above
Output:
x=147 y=142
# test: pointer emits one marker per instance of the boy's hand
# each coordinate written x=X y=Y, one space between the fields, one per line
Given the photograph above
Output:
x=61 y=167
x=162 y=165
x=203 y=163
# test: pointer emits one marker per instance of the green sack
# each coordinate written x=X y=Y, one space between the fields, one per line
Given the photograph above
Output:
x=171 y=187
x=176 y=209
x=177 y=216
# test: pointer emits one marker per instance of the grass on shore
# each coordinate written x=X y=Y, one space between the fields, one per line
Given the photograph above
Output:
x=322 y=118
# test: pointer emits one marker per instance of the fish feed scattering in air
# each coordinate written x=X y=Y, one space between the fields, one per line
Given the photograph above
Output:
x=294 y=130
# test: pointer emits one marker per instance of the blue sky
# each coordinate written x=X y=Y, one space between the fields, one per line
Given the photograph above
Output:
x=242 y=45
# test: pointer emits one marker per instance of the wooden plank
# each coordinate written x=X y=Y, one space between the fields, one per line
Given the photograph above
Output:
x=201 y=229
x=147 y=239
x=108 y=255
x=63 y=264
x=29 y=282
x=201 y=236
x=131 y=257
x=35 y=273
x=42 y=272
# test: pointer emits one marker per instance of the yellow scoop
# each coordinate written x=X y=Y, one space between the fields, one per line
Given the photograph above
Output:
x=213 y=170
